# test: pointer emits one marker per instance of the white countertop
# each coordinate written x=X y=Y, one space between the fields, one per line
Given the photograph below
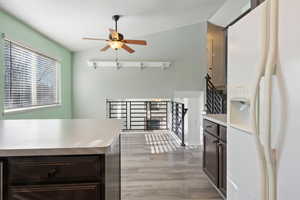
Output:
x=57 y=137
x=217 y=118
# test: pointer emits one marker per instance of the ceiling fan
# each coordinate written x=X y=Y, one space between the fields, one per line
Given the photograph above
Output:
x=116 y=40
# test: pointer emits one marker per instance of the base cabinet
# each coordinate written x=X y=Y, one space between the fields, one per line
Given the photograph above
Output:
x=67 y=177
x=56 y=178
x=90 y=191
x=222 y=167
x=210 y=158
x=214 y=155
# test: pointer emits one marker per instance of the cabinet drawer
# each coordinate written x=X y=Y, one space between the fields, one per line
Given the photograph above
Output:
x=55 y=169
x=211 y=128
x=223 y=133
x=89 y=191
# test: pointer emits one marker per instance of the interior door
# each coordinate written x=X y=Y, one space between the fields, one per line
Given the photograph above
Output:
x=210 y=157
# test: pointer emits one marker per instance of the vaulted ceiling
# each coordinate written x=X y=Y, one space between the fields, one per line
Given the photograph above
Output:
x=67 y=21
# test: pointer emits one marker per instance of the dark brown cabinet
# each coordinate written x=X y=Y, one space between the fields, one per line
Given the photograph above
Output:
x=90 y=191
x=210 y=158
x=214 y=154
x=222 y=167
x=56 y=178
x=62 y=177
x=88 y=177
x=37 y=170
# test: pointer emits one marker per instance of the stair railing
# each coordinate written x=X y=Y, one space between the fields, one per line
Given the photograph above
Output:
x=216 y=100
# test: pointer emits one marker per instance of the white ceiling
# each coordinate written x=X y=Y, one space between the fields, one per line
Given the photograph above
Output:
x=230 y=11
x=67 y=21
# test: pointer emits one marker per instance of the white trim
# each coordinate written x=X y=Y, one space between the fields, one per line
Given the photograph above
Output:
x=20 y=110
x=21 y=44
x=58 y=82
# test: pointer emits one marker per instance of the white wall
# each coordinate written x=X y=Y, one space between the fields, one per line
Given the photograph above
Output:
x=185 y=47
x=194 y=102
x=229 y=12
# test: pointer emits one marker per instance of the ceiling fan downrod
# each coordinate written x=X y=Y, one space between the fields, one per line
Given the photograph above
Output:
x=116 y=19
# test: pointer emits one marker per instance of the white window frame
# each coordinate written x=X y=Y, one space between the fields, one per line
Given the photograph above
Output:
x=58 y=79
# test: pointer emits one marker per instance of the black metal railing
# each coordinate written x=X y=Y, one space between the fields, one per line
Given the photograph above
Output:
x=158 y=115
x=140 y=115
x=178 y=114
x=117 y=110
x=216 y=100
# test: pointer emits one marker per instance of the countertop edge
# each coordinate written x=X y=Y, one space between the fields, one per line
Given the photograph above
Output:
x=52 y=152
x=215 y=120
x=57 y=151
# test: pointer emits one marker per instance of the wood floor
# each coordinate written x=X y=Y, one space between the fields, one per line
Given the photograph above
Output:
x=155 y=167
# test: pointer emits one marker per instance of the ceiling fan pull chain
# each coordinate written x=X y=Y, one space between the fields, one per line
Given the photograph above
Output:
x=117 y=56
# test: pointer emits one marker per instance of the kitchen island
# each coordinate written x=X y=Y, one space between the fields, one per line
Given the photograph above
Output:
x=60 y=159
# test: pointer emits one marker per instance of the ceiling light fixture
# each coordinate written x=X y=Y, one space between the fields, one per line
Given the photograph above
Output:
x=116 y=44
x=116 y=40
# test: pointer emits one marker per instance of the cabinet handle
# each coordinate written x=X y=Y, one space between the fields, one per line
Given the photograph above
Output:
x=209 y=126
x=52 y=173
x=1 y=180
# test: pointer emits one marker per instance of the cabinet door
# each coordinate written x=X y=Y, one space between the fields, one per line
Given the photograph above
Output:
x=56 y=192
x=210 y=157
x=222 y=167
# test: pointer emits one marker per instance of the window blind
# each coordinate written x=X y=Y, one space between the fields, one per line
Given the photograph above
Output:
x=31 y=79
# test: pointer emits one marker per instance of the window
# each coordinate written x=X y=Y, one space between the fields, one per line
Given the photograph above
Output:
x=31 y=79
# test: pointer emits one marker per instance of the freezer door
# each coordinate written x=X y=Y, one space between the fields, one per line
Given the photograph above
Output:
x=244 y=54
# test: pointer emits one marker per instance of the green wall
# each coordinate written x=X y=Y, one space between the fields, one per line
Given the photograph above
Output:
x=18 y=31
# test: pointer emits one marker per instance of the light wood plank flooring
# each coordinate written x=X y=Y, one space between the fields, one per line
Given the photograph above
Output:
x=154 y=167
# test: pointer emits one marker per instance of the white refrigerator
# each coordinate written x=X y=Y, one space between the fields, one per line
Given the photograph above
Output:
x=245 y=51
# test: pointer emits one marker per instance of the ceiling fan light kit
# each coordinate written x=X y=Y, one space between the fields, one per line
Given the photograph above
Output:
x=116 y=44
x=116 y=40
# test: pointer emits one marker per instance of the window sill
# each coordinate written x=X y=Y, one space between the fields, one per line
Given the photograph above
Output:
x=23 y=110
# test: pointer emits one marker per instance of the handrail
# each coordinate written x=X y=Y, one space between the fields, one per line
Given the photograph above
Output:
x=147 y=115
x=178 y=115
x=215 y=100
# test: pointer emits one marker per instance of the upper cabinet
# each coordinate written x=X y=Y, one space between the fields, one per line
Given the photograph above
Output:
x=255 y=3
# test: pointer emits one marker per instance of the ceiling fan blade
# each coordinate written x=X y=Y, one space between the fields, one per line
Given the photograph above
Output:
x=105 y=48
x=89 y=38
x=127 y=48
x=138 y=42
